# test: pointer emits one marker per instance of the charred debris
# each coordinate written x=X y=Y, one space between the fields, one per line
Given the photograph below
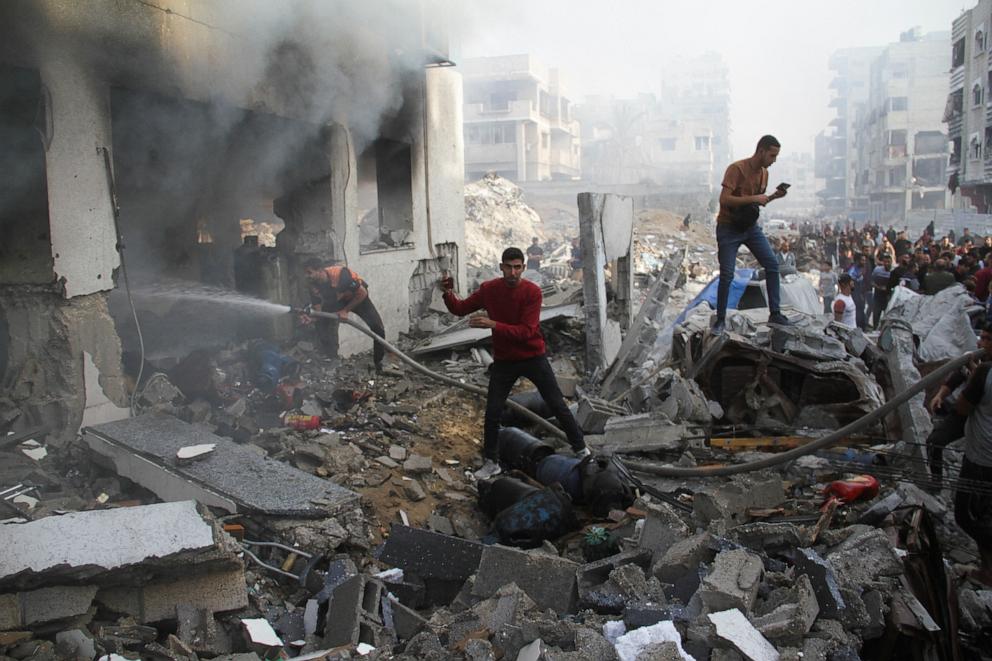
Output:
x=265 y=502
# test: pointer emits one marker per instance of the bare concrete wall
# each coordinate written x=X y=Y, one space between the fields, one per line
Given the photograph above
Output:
x=389 y=272
x=47 y=341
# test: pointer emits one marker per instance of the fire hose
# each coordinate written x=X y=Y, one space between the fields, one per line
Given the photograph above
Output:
x=535 y=418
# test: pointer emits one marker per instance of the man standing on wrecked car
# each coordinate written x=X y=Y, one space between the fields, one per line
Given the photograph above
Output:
x=744 y=185
x=513 y=313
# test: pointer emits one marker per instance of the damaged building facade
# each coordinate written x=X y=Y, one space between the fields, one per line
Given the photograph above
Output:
x=339 y=124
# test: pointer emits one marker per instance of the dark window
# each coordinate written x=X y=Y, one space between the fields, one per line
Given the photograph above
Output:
x=957 y=53
x=702 y=142
x=930 y=142
x=393 y=190
x=898 y=103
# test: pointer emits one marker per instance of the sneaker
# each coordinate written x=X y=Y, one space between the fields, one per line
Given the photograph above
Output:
x=719 y=327
x=583 y=453
x=779 y=319
x=489 y=469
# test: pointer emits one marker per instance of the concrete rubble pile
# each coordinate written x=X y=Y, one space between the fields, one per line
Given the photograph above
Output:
x=497 y=216
x=266 y=503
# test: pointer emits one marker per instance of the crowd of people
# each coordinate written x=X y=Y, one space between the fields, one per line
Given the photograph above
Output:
x=873 y=262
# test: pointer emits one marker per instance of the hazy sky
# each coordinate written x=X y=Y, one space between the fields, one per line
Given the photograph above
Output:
x=776 y=50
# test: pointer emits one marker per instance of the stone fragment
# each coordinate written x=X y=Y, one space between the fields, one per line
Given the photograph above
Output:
x=417 y=464
x=862 y=558
x=217 y=591
x=725 y=504
x=732 y=626
x=444 y=562
x=75 y=644
x=194 y=452
x=823 y=581
x=397 y=453
x=632 y=644
x=549 y=581
x=413 y=490
x=663 y=527
x=387 y=462
x=732 y=582
x=684 y=557
x=440 y=524
x=55 y=603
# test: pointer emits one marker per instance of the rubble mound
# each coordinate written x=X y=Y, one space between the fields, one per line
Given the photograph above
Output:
x=497 y=217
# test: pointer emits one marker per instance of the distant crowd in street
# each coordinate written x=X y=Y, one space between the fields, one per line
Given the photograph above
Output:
x=863 y=266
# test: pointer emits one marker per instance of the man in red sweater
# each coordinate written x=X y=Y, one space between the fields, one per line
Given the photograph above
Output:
x=513 y=311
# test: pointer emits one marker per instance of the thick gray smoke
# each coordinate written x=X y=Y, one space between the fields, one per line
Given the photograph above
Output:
x=195 y=144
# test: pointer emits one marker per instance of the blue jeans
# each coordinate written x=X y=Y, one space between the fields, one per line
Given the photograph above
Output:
x=729 y=241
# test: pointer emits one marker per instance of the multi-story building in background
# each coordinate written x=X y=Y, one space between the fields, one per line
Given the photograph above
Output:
x=518 y=121
x=697 y=89
x=901 y=147
x=633 y=141
x=795 y=169
x=835 y=152
x=968 y=110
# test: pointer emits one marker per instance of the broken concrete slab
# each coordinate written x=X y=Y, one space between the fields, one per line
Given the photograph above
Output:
x=549 y=580
x=75 y=644
x=31 y=608
x=216 y=591
x=863 y=557
x=641 y=432
x=353 y=613
x=822 y=578
x=593 y=414
x=443 y=562
x=102 y=546
x=684 y=557
x=732 y=582
x=734 y=627
x=662 y=528
x=897 y=343
x=233 y=477
x=639 y=345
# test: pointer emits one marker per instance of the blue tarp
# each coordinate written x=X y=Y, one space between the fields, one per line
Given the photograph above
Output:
x=737 y=287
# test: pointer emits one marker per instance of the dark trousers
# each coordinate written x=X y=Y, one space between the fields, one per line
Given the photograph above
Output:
x=828 y=304
x=327 y=330
x=859 y=309
x=728 y=242
x=947 y=430
x=973 y=511
x=502 y=376
x=878 y=306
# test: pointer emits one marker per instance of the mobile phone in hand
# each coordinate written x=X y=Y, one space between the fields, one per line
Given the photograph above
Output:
x=783 y=186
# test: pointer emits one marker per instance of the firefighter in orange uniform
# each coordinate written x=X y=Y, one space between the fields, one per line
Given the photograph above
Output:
x=338 y=289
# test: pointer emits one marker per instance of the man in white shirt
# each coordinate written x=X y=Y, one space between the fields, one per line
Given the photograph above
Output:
x=844 y=310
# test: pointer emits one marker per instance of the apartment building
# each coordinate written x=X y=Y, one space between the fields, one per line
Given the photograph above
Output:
x=797 y=170
x=968 y=110
x=697 y=89
x=631 y=141
x=148 y=126
x=518 y=120
x=899 y=135
x=835 y=150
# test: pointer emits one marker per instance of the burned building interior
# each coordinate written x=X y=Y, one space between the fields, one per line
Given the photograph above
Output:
x=188 y=472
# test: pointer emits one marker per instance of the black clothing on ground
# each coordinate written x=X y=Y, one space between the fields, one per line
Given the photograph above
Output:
x=946 y=430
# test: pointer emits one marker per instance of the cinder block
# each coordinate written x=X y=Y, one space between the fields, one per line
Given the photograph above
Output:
x=549 y=580
x=732 y=582
x=55 y=603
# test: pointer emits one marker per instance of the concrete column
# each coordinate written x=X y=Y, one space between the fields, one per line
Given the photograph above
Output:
x=343 y=192
x=521 y=151
x=605 y=234
x=79 y=205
